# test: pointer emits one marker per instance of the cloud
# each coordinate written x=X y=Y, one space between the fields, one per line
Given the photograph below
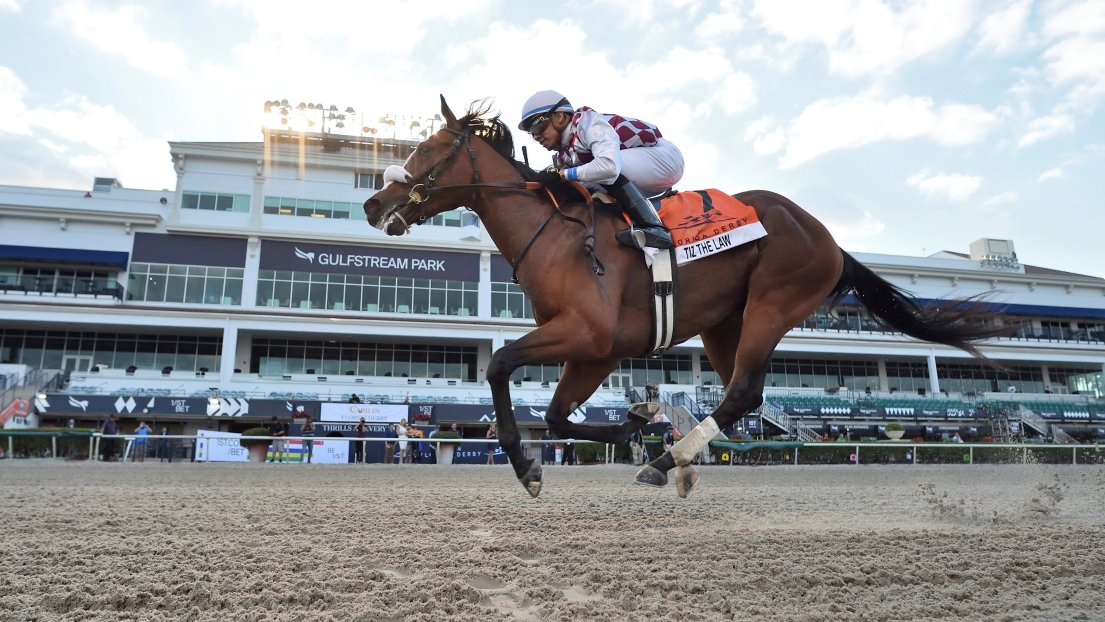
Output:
x=12 y=109
x=1076 y=52
x=720 y=26
x=78 y=139
x=866 y=37
x=122 y=32
x=954 y=187
x=1054 y=173
x=1003 y=32
x=998 y=199
x=847 y=123
x=1044 y=128
x=13 y=6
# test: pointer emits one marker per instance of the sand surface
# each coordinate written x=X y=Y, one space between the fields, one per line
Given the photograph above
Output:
x=317 y=542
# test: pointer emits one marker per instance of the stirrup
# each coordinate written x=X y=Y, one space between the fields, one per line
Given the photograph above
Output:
x=634 y=237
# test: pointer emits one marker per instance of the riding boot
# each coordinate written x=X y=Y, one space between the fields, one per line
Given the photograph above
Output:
x=646 y=228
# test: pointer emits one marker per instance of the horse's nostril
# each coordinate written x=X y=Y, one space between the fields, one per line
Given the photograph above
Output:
x=370 y=205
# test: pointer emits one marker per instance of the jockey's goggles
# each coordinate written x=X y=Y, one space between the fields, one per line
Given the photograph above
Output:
x=539 y=123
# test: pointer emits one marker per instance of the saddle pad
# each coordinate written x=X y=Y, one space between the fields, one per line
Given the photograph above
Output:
x=705 y=222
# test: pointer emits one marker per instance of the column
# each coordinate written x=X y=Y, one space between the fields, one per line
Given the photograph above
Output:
x=257 y=201
x=884 y=382
x=1046 y=374
x=484 y=296
x=249 y=277
x=229 y=355
x=696 y=368
x=174 y=211
x=934 y=382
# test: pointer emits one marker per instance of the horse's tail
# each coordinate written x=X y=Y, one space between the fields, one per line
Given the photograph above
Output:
x=957 y=323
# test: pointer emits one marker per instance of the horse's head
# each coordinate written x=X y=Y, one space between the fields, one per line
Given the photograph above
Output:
x=439 y=175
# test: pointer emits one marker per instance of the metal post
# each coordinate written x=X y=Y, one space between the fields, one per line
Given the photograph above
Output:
x=857 y=455
x=1025 y=455
x=796 y=456
x=971 y=452
x=1073 y=455
x=91 y=456
x=10 y=454
x=53 y=447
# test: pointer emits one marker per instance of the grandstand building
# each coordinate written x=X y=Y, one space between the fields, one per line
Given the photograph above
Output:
x=256 y=288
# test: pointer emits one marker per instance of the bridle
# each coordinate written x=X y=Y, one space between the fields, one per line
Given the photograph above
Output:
x=423 y=183
x=423 y=186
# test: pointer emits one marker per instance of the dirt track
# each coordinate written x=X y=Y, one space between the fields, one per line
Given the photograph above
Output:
x=313 y=542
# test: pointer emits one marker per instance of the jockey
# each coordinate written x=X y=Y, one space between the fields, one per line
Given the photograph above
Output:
x=627 y=157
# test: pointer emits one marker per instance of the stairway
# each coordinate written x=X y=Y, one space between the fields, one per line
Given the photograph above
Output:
x=792 y=425
x=1041 y=425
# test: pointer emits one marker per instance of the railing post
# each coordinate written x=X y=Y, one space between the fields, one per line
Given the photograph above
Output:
x=1025 y=455
x=53 y=447
x=971 y=453
x=11 y=455
x=857 y=455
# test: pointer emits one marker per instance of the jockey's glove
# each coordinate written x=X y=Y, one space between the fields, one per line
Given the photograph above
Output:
x=549 y=177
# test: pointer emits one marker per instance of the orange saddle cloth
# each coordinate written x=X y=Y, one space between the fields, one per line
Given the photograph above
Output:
x=705 y=222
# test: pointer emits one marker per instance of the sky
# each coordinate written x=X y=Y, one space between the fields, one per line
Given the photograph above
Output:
x=906 y=127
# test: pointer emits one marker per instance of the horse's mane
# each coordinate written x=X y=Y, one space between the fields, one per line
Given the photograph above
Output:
x=494 y=132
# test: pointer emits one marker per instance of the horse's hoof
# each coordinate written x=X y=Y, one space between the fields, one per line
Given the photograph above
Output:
x=644 y=411
x=651 y=476
x=685 y=479
x=532 y=479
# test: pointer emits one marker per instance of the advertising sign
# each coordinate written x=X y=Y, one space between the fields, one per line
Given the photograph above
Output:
x=215 y=446
x=372 y=413
x=333 y=258
x=329 y=451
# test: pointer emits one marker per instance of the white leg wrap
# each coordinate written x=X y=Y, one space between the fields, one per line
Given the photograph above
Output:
x=688 y=447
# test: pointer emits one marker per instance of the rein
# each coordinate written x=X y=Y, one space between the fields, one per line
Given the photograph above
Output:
x=420 y=193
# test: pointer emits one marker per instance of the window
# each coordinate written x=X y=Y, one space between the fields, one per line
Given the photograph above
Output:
x=508 y=301
x=666 y=369
x=215 y=201
x=208 y=285
x=370 y=181
x=58 y=280
x=272 y=357
x=287 y=206
x=455 y=218
x=372 y=294
x=46 y=349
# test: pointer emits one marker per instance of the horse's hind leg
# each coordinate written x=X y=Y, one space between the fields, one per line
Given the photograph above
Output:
x=778 y=299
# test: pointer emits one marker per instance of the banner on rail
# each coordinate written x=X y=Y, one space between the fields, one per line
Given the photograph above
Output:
x=215 y=446
x=372 y=413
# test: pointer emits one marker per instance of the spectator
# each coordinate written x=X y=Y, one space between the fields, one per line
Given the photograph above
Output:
x=1010 y=389
x=165 y=446
x=636 y=447
x=401 y=434
x=956 y=438
x=668 y=439
x=109 y=428
x=491 y=434
x=548 y=453
x=276 y=429
x=389 y=445
x=308 y=434
x=353 y=399
x=358 y=445
x=569 y=454
x=140 y=434
x=415 y=453
x=842 y=438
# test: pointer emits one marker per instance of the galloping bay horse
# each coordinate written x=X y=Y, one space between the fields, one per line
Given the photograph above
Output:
x=741 y=301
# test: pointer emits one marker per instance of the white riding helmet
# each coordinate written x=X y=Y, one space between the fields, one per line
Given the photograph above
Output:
x=542 y=103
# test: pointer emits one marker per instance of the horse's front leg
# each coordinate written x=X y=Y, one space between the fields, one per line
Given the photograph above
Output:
x=562 y=338
x=577 y=383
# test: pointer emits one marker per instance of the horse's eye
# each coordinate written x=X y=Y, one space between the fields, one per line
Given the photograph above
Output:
x=424 y=151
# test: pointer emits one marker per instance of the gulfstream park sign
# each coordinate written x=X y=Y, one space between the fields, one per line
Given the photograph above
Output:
x=337 y=259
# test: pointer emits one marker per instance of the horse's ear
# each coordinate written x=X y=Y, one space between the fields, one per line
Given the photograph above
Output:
x=450 y=118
